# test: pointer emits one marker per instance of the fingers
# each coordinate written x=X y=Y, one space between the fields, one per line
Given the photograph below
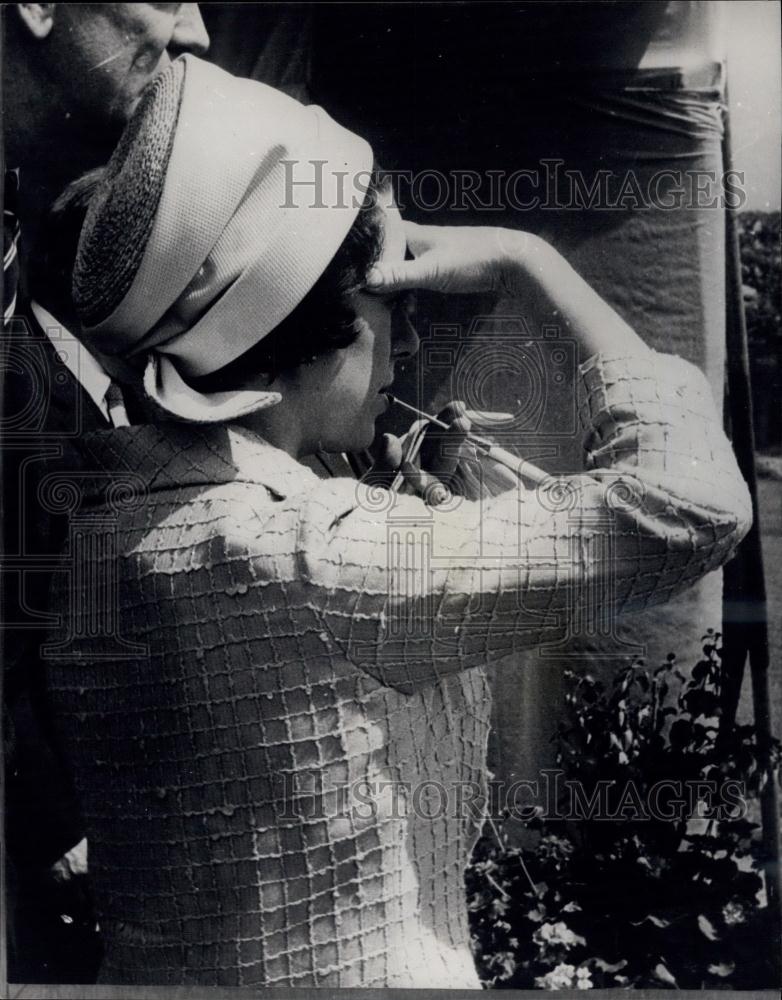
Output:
x=443 y=450
x=422 y=238
x=399 y=458
x=451 y=457
x=388 y=452
x=433 y=463
x=404 y=275
x=456 y=259
x=497 y=479
x=447 y=463
x=455 y=410
x=424 y=484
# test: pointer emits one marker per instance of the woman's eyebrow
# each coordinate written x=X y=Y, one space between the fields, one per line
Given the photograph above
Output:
x=391 y=299
x=405 y=297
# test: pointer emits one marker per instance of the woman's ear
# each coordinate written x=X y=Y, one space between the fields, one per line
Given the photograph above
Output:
x=38 y=18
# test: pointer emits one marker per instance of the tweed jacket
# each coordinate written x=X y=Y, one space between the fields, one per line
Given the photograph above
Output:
x=280 y=741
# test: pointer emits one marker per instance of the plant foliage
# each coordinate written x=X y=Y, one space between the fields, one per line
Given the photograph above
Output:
x=654 y=877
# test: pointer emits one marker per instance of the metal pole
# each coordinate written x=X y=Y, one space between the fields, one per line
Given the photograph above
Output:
x=745 y=611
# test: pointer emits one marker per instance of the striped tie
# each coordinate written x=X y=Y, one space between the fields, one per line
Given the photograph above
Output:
x=10 y=243
x=115 y=404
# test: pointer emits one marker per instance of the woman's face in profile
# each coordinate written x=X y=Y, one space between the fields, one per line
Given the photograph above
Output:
x=343 y=392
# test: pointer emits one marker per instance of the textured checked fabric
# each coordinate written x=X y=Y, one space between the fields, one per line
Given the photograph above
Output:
x=11 y=231
x=272 y=792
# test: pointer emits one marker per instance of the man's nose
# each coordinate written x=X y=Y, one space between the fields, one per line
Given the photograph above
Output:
x=190 y=34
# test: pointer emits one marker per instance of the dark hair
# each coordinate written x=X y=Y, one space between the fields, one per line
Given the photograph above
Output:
x=325 y=319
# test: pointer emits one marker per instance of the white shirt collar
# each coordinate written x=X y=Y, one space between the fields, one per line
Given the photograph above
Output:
x=77 y=359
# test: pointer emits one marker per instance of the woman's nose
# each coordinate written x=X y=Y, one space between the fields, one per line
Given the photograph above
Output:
x=406 y=339
x=190 y=34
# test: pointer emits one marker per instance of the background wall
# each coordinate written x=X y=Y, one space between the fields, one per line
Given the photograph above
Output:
x=624 y=88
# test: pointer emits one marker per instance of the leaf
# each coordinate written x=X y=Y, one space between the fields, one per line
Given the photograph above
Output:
x=604 y=966
x=723 y=969
x=661 y=972
x=707 y=928
x=657 y=921
x=699 y=702
x=680 y=733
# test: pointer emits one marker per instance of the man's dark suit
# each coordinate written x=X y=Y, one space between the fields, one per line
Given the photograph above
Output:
x=44 y=411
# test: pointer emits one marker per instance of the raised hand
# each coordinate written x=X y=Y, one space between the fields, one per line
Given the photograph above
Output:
x=434 y=463
x=455 y=259
x=475 y=259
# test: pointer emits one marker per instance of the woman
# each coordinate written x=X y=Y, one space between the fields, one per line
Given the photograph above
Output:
x=274 y=775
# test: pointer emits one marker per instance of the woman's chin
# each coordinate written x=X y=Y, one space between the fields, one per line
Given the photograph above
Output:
x=360 y=441
x=357 y=438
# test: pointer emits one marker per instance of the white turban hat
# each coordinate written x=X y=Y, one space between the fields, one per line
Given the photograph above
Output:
x=222 y=205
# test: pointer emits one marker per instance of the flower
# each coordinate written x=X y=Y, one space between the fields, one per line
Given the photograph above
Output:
x=565 y=976
x=550 y=935
x=733 y=913
x=557 y=848
x=559 y=978
x=583 y=979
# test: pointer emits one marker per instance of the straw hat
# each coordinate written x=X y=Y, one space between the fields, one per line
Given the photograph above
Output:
x=222 y=205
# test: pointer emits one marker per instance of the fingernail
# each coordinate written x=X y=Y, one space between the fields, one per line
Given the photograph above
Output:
x=438 y=495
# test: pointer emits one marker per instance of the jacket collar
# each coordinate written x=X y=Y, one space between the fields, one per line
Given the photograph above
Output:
x=156 y=457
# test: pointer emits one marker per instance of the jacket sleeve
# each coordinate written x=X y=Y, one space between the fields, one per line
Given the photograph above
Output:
x=411 y=592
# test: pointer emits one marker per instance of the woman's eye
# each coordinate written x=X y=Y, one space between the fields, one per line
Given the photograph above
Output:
x=404 y=304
